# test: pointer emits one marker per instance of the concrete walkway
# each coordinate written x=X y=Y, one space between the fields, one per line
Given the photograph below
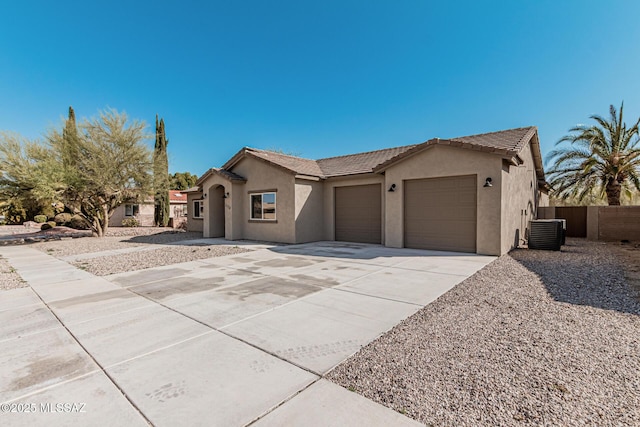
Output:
x=224 y=341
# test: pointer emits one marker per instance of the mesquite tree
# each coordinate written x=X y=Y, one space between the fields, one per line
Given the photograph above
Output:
x=92 y=169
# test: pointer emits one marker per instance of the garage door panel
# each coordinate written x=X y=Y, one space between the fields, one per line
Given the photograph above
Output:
x=358 y=213
x=440 y=213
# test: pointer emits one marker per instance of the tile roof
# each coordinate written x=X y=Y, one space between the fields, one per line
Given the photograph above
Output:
x=176 y=196
x=295 y=164
x=507 y=142
x=223 y=172
x=229 y=175
x=195 y=189
x=352 y=164
x=511 y=139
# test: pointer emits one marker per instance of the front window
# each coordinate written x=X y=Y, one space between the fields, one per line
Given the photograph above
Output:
x=179 y=210
x=198 y=209
x=263 y=206
x=131 y=210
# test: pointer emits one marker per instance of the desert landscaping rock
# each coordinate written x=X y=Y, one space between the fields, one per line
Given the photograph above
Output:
x=116 y=238
x=9 y=279
x=535 y=338
x=152 y=247
x=133 y=261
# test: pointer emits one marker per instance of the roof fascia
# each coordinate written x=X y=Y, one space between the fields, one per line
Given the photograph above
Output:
x=235 y=159
x=308 y=177
x=443 y=142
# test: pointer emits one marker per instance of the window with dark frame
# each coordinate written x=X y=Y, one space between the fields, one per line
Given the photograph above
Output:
x=263 y=206
x=198 y=208
x=131 y=210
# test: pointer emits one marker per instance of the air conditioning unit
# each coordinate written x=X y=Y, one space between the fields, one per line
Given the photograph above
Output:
x=564 y=230
x=546 y=234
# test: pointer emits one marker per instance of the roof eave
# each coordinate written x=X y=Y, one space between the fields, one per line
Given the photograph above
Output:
x=195 y=189
x=235 y=159
x=219 y=172
x=537 y=156
x=350 y=174
x=444 y=142
x=204 y=177
x=308 y=177
x=402 y=156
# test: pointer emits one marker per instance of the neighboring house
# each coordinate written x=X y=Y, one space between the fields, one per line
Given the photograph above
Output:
x=471 y=194
x=179 y=208
x=144 y=212
x=195 y=212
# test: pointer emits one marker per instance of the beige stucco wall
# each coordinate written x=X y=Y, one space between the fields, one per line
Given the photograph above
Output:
x=543 y=199
x=309 y=213
x=261 y=177
x=519 y=200
x=193 y=224
x=144 y=217
x=546 y=212
x=442 y=161
x=329 y=199
x=213 y=224
x=216 y=206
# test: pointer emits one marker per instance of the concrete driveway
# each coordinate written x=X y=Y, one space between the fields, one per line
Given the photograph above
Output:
x=226 y=341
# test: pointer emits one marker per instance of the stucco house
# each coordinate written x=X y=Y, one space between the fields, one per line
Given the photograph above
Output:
x=143 y=212
x=470 y=194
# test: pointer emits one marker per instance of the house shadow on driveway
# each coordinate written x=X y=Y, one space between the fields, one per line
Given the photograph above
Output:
x=583 y=273
x=366 y=251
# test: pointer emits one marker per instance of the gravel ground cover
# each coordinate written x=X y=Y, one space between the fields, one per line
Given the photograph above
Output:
x=121 y=238
x=535 y=338
x=133 y=261
x=9 y=279
x=115 y=239
x=629 y=256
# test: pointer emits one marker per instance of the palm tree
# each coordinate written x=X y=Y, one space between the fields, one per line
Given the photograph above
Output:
x=602 y=158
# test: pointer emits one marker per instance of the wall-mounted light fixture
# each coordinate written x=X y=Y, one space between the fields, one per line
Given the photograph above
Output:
x=204 y=196
x=392 y=188
x=487 y=182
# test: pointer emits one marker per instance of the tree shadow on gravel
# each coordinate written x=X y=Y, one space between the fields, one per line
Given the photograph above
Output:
x=583 y=273
x=165 y=237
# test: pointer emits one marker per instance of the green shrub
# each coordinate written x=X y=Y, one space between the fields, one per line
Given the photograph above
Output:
x=63 y=218
x=78 y=223
x=48 y=225
x=130 y=222
x=40 y=218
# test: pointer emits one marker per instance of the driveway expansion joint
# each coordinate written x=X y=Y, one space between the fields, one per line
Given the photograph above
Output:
x=320 y=327
x=93 y=359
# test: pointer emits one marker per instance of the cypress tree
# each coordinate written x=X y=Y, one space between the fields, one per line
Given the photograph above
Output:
x=70 y=139
x=161 y=176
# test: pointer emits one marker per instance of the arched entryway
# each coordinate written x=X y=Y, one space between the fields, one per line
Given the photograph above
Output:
x=217 y=196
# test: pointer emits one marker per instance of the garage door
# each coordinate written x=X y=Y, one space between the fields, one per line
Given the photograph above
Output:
x=440 y=213
x=359 y=213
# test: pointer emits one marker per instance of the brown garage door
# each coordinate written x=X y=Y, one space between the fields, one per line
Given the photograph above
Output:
x=359 y=213
x=440 y=213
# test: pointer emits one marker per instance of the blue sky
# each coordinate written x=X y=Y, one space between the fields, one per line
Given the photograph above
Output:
x=318 y=78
